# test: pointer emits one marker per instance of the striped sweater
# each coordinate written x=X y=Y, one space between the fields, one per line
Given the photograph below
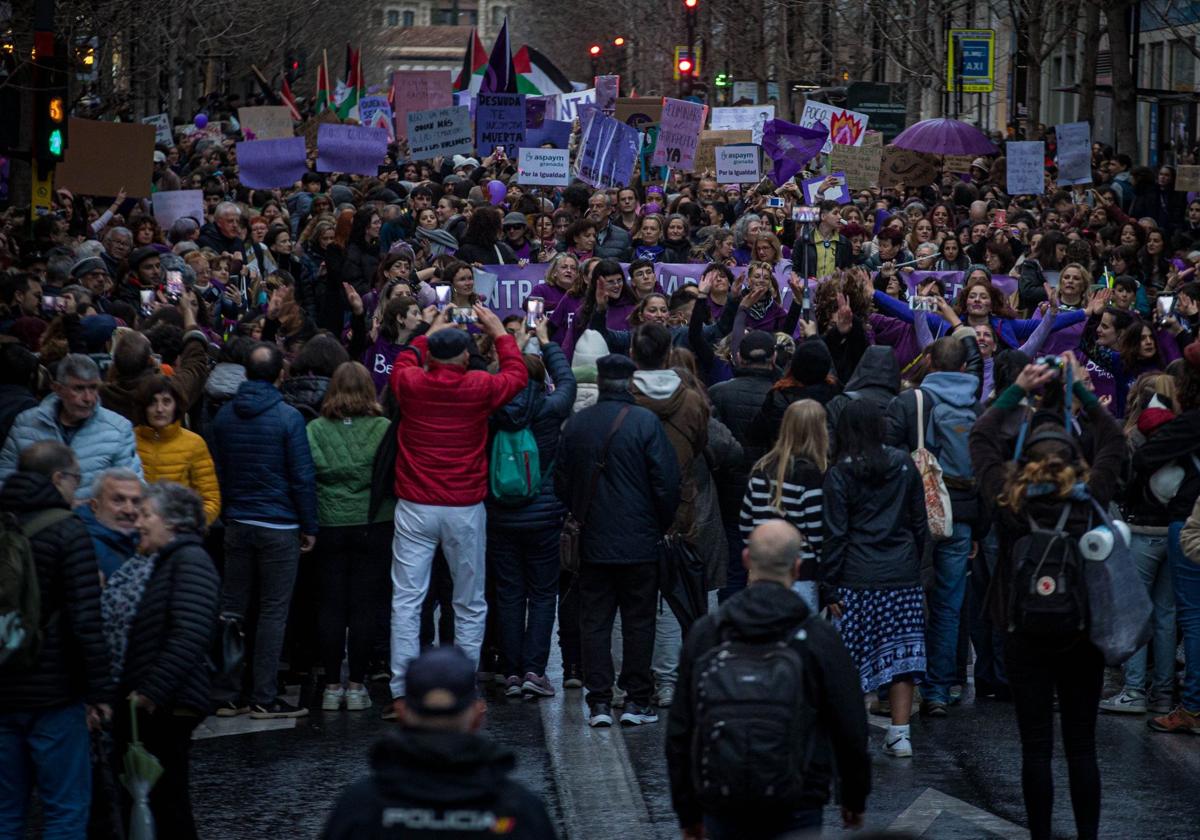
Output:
x=801 y=505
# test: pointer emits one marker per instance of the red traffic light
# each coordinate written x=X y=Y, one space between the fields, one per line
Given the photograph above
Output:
x=685 y=65
x=691 y=5
x=618 y=41
x=594 y=49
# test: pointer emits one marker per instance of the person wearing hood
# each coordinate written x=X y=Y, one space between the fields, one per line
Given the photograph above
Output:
x=522 y=540
x=807 y=379
x=947 y=403
x=222 y=384
x=267 y=479
x=437 y=774
x=768 y=610
x=876 y=379
x=874 y=536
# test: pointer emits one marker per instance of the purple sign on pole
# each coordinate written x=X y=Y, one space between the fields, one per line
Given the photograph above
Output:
x=266 y=164
x=607 y=151
x=354 y=149
x=678 y=134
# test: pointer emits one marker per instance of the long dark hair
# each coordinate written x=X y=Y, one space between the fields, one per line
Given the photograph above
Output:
x=484 y=227
x=859 y=437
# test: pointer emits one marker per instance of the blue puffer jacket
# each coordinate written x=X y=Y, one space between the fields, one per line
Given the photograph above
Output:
x=263 y=461
x=544 y=413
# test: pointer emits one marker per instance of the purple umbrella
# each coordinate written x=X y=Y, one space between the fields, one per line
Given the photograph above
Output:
x=945 y=137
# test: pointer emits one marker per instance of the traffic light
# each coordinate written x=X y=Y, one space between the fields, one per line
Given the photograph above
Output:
x=594 y=50
x=50 y=106
x=690 y=6
x=618 y=41
x=722 y=80
x=685 y=66
x=293 y=66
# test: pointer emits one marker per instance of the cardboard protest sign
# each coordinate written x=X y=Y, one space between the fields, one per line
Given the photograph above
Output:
x=266 y=164
x=860 y=163
x=499 y=121
x=739 y=119
x=957 y=163
x=1026 y=162
x=678 y=134
x=162 y=129
x=440 y=132
x=355 y=149
x=375 y=112
x=710 y=141
x=418 y=90
x=838 y=192
x=845 y=126
x=1074 y=153
x=265 y=122
x=904 y=166
x=1187 y=178
x=544 y=167
x=178 y=204
x=104 y=157
x=607 y=151
x=739 y=164
x=639 y=112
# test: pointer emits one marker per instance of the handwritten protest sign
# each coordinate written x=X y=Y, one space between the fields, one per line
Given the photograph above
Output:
x=904 y=166
x=266 y=164
x=957 y=163
x=744 y=118
x=104 y=157
x=860 y=163
x=678 y=134
x=567 y=104
x=1187 y=178
x=1074 y=153
x=739 y=164
x=640 y=111
x=607 y=151
x=375 y=112
x=710 y=141
x=178 y=204
x=499 y=121
x=418 y=90
x=309 y=128
x=1026 y=160
x=544 y=167
x=845 y=126
x=356 y=149
x=162 y=129
x=265 y=122
x=440 y=132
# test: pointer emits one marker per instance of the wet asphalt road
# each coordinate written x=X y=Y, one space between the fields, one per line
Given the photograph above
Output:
x=964 y=781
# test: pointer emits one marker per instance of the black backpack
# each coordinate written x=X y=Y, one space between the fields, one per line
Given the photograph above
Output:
x=755 y=723
x=1049 y=594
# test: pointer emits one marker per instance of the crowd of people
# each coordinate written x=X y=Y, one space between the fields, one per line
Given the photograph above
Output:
x=298 y=416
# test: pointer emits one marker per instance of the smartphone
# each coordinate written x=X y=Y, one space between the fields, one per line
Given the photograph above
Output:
x=1000 y=219
x=174 y=286
x=442 y=299
x=462 y=315
x=52 y=304
x=499 y=152
x=806 y=215
x=535 y=307
x=1164 y=307
x=147 y=298
x=774 y=201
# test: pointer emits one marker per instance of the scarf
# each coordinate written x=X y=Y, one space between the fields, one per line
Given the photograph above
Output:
x=119 y=606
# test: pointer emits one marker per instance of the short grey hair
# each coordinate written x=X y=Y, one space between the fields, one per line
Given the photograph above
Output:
x=114 y=474
x=91 y=248
x=182 y=229
x=78 y=366
x=226 y=206
x=118 y=231
x=180 y=507
x=743 y=224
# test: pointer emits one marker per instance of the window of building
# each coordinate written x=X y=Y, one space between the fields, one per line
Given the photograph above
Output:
x=1157 y=53
x=1183 y=67
x=409 y=18
x=393 y=17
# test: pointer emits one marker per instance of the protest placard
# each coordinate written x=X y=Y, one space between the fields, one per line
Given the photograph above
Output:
x=567 y=104
x=535 y=111
x=355 y=149
x=418 y=90
x=375 y=112
x=265 y=122
x=739 y=164
x=162 y=129
x=678 y=134
x=544 y=167
x=639 y=111
x=845 y=126
x=178 y=204
x=860 y=163
x=607 y=88
x=960 y=164
x=744 y=118
x=710 y=141
x=308 y=129
x=839 y=191
x=1187 y=178
x=105 y=157
x=440 y=132
x=1074 y=153
x=904 y=166
x=552 y=132
x=745 y=92
x=608 y=150
x=266 y=164
x=1026 y=160
x=499 y=121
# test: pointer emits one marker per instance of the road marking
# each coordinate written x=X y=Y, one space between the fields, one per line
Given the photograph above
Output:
x=921 y=814
x=219 y=727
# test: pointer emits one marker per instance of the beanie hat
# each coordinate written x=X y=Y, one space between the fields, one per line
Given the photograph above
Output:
x=588 y=349
x=445 y=345
x=811 y=362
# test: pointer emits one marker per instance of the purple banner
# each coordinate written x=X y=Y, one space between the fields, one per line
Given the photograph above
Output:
x=266 y=164
x=354 y=149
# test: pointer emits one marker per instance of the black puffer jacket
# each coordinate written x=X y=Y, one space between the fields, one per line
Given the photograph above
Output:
x=359 y=267
x=73 y=662
x=170 y=636
x=736 y=402
x=765 y=429
x=1174 y=442
x=876 y=380
x=438 y=784
x=305 y=394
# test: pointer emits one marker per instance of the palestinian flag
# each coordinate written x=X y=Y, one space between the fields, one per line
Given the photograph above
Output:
x=474 y=63
x=537 y=75
x=322 y=98
x=354 y=88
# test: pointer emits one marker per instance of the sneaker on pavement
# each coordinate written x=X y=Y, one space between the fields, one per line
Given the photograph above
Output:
x=279 y=708
x=601 y=715
x=233 y=708
x=357 y=699
x=1160 y=705
x=512 y=686
x=635 y=715
x=897 y=745
x=332 y=698
x=572 y=677
x=618 y=701
x=1128 y=701
x=933 y=708
x=1180 y=720
x=537 y=685
x=664 y=697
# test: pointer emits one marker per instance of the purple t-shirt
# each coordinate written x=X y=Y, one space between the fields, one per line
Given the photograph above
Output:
x=378 y=360
x=551 y=294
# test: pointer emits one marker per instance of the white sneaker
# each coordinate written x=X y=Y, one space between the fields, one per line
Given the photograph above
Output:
x=357 y=699
x=1129 y=701
x=897 y=743
x=331 y=699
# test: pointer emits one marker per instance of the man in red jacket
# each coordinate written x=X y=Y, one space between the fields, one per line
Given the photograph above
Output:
x=442 y=477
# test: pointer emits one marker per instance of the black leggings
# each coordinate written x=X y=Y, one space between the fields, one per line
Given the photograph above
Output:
x=1036 y=670
x=355 y=586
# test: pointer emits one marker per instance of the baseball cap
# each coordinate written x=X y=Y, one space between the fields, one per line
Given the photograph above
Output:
x=140 y=255
x=440 y=681
x=758 y=346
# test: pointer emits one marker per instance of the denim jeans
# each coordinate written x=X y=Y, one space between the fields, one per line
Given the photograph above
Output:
x=945 y=607
x=48 y=748
x=735 y=570
x=1150 y=555
x=525 y=564
x=267 y=557
x=1187 y=605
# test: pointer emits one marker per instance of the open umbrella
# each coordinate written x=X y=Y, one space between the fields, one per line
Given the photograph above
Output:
x=142 y=771
x=945 y=137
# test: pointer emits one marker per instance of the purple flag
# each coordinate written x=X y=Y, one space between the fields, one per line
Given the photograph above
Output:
x=266 y=164
x=500 y=76
x=791 y=146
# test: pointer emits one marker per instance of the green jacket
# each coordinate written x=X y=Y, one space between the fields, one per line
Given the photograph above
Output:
x=343 y=452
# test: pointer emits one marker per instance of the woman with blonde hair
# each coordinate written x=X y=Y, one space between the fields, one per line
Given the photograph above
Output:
x=786 y=484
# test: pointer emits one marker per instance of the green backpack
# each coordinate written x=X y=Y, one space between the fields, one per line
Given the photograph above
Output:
x=20 y=595
x=515 y=471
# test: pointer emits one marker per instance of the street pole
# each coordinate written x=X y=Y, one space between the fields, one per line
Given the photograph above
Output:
x=43 y=44
x=685 y=84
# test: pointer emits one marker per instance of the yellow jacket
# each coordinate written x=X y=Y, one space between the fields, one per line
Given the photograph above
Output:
x=175 y=454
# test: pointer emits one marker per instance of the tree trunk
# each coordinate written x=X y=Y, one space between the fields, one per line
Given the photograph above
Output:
x=783 y=65
x=1033 y=75
x=916 y=86
x=1091 y=52
x=1124 y=89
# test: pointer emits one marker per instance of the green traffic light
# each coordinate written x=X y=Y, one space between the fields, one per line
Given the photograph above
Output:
x=55 y=142
x=721 y=80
